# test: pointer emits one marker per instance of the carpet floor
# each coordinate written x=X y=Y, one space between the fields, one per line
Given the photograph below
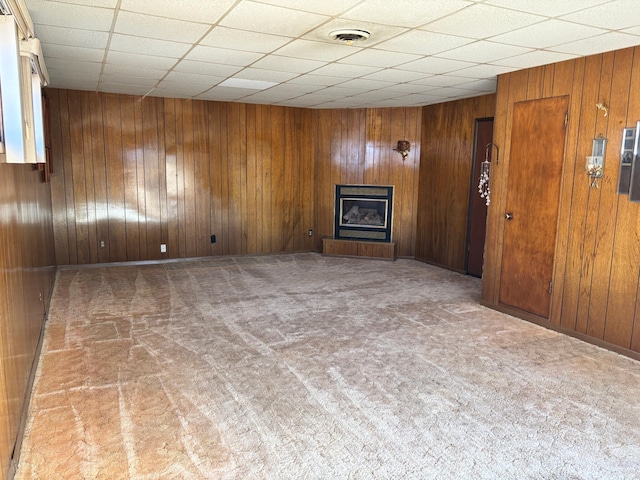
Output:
x=304 y=366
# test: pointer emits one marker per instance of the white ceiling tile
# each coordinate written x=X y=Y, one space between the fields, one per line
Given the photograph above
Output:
x=202 y=12
x=325 y=7
x=223 y=56
x=535 y=58
x=259 y=17
x=316 y=50
x=603 y=43
x=73 y=53
x=143 y=61
x=206 y=68
x=299 y=102
x=488 y=85
x=190 y=89
x=124 y=89
x=363 y=84
x=442 y=81
x=89 y=3
x=342 y=70
x=299 y=89
x=193 y=78
x=481 y=21
x=74 y=84
x=271 y=96
x=435 y=65
x=379 y=32
x=134 y=71
x=71 y=36
x=379 y=58
x=147 y=46
x=404 y=89
x=548 y=33
x=423 y=43
x=339 y=92
x=225 y=94
x=129 y=80
x=614 y=15
x=420 y=98
x=395 y=75
x=319 y=97
x=483 y=52
x=633 y=30
x=316 y=80
x=157 y=27
x=234 y=82
x=58 y=74
x=73 y=65
x=375 y=96
x=151 y=37
x=234 y=39
x=406 y=13
x=550 y=8
x=69 y=15
x=483 y=71
x=169 y=93
x=448 y=92
x=287 y=64
x=267 y=75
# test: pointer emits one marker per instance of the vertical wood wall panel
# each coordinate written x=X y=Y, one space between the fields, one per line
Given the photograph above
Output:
x=137 y=173
x=256 y=176
x=356 y=146
x=445 y=179
x=27 y=271
x=597 y=261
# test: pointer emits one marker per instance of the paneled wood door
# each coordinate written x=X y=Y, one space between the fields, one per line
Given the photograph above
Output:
x=533 y=192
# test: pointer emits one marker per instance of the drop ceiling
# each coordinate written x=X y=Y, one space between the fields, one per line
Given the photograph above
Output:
x=279 y=52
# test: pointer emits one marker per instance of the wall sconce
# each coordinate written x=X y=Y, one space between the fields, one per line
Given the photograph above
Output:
x=603 y=107
x=403 y=148
x=595 y=162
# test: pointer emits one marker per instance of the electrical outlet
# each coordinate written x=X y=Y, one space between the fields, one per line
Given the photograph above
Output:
x=163 y=248
x=213 y=239
x=310 y=233
x=102 y=244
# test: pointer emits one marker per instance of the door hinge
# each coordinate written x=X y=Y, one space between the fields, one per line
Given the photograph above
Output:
x=550 y=287
x=566 y=119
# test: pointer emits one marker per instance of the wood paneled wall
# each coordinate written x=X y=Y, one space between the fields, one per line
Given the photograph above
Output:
x=27 y=270
x=448 y=132
x=597 y=257
x=137 y=172
x=356 y=146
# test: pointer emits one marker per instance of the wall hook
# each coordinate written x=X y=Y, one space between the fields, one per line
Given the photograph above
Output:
x=486 y=152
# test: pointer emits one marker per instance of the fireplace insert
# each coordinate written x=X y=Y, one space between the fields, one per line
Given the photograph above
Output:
x=363 y=212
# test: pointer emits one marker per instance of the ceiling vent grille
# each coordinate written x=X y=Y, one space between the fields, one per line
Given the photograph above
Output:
x=349 y=35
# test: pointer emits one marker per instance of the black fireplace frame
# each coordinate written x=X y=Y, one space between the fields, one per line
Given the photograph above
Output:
x=368 y=195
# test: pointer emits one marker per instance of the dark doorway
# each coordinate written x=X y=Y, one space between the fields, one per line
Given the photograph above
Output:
x=477 y=206
x=533 y=193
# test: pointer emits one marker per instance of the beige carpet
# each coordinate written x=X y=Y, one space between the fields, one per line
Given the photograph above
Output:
x=306 y=367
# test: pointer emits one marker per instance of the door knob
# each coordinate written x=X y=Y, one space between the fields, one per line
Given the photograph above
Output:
x=508 y=216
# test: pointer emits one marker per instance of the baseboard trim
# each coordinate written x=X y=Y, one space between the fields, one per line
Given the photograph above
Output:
x=543 y=322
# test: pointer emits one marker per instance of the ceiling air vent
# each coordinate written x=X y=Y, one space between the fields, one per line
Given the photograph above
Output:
x=349 y=35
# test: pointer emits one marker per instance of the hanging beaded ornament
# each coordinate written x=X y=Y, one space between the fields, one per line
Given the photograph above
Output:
x=483 y=187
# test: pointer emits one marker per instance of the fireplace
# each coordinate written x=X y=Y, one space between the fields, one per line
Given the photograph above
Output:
x=363 y=212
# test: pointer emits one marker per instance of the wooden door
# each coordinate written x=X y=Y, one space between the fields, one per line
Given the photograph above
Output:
x=477 y=206
x=531 y=213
